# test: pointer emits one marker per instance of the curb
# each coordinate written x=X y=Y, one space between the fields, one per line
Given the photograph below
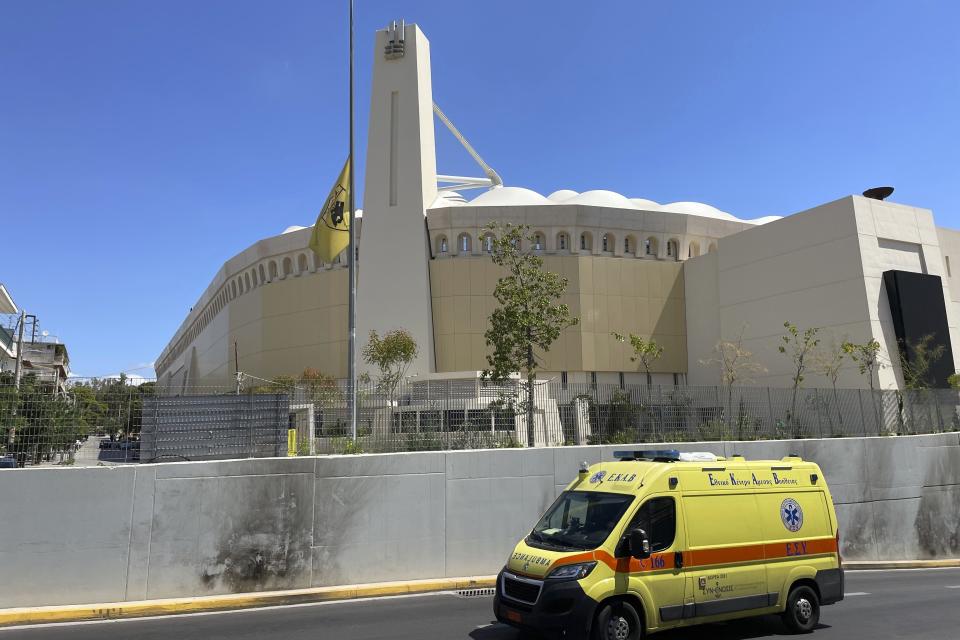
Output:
x=173 y=606
x=870 y=565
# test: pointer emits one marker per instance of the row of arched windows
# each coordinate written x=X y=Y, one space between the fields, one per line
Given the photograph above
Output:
x=250 y=279
x=650 y=247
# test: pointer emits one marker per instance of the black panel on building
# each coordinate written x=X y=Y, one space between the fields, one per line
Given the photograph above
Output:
x=916 y=302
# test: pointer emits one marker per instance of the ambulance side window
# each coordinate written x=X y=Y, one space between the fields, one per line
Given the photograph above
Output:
x=658 y=517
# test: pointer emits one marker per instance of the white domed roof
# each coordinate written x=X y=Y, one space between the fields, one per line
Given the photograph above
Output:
x=764 y=219
x=646 y=205
x=602 y=198
x=293 y=228
x=562 y=195
x=509 y=196
x=448 y=199
x=700 y=209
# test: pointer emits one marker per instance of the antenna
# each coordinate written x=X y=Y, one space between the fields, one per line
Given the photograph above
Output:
x=878 y=193
x=236 y=366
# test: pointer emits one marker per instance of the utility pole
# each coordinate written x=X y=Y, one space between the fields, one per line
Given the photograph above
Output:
x=19 y=366
x=352 y=307
x=12 y=432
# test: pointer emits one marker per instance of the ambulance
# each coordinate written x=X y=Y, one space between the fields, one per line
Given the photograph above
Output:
x=661 y=539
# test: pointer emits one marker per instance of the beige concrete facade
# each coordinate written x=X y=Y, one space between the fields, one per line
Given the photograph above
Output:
x=607 y=294
x=683 y=273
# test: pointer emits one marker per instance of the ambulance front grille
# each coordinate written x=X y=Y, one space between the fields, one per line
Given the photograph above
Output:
x=520 y=589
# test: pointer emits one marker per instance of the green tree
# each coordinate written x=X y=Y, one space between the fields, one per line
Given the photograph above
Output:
x=828 y=361
x=528 y=317
x=736 y=365
x=865 y=356
x=392 y=355
x=799 y=346
x=646 y=352
x=917 y=360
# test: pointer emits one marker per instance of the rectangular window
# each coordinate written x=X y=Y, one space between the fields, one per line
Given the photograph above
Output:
x=563 y=379
x=622 y=385
x=593 y=379
x=658 y=518
x=947 y=258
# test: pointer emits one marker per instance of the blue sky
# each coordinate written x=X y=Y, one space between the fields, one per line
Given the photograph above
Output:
x=142 y=144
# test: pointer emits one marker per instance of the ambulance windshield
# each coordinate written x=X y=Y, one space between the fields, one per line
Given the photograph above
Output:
x=579 y=520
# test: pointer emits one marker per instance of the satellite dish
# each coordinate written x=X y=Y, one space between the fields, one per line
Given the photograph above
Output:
x=44 y=333
x=878 y=193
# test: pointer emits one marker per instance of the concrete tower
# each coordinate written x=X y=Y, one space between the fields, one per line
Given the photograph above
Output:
x=401 y=182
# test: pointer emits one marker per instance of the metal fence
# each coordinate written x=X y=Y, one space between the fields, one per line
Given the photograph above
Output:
x=103 y=422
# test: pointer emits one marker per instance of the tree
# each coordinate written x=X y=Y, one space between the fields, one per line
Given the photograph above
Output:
x=865 y=357
x=736 y=365
x=646 y=352
x=828 y=362
x=392 y=354
x=321 y=388
x=916 y=361
x=798 y=346
x=528 y=317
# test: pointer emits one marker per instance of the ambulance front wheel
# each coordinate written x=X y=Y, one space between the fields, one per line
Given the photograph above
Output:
x=618 y=621
x=803 y=610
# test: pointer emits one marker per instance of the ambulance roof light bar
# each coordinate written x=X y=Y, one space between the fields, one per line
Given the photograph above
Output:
x=655 y=455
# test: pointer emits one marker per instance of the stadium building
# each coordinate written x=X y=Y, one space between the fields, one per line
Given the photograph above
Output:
x=685 y=273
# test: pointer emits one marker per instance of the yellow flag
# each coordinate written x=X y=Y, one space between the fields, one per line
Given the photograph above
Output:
x=331 y=233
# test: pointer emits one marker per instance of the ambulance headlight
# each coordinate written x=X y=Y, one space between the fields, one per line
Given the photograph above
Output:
x=572 y=571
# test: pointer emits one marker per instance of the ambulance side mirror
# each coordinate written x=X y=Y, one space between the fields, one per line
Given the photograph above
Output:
x=639 y=544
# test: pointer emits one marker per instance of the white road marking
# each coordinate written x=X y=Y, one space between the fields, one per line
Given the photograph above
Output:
x=856 y=593
x=954 y=586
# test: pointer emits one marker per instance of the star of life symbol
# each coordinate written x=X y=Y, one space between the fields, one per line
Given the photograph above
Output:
x=791 y=514
x=597 y=477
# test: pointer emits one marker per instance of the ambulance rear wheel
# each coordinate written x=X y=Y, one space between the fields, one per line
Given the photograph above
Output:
x=803 y=610
x=618 y=621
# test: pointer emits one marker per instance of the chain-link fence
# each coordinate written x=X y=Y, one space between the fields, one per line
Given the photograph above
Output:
x=113 y=421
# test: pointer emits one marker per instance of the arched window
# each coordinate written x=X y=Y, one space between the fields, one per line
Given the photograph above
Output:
x=693 y=250
x=253 y=277
x=263 y=274
x=650 y=246
x=288 y=266
x=273 y=270
x=464 y=243
x=441 y=244
x=233 y=289
x=538 y=241
x=302 y=263
x=629 y=244
x=586 y=241
x=608 y=242
x=246 y=282
x=673 y=249
x=712 y=248
x=563 y=241
x=488 y=242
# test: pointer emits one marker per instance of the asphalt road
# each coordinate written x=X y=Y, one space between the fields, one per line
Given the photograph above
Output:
x=918 y=604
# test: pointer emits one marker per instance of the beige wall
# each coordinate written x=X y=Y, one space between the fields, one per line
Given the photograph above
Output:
x=608 y=294
x=280 y=329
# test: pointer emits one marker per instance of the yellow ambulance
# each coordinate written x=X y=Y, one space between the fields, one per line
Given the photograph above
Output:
x=662 y=539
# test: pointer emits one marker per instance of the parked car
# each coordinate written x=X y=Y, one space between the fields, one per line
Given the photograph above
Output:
x=107 y=443
x=8 y=462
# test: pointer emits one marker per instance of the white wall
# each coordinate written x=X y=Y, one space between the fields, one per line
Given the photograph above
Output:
x=105 y=534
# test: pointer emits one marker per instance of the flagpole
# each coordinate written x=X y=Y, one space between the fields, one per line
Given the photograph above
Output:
x=352 y=347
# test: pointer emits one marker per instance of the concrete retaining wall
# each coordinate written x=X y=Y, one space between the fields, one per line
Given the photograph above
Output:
x=101 y=534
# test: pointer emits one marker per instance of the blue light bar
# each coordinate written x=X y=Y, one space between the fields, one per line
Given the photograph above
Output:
x=656 y=455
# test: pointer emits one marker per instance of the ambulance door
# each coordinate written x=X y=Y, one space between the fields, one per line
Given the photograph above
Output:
x=725 y=566
x=661 y=518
